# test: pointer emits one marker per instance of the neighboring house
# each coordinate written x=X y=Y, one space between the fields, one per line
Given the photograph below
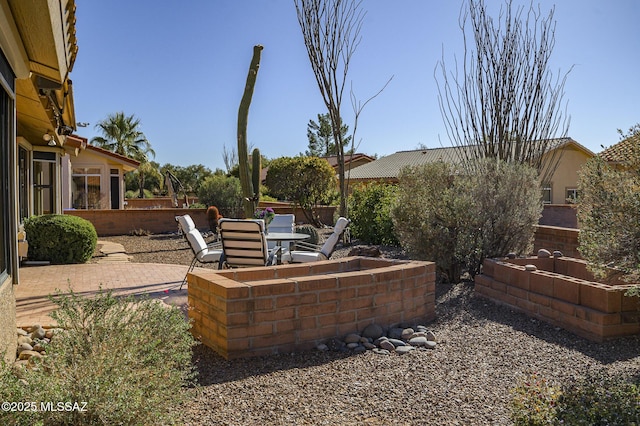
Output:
x=350 y=161
x=37 y=52
x=93 y=178
x=563 y=185
x=619 y=154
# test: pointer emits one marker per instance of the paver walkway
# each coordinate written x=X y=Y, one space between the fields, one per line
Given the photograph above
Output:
x=114 y=271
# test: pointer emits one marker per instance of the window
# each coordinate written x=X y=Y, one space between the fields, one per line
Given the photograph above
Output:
x=572 y=195
x=7 y=141
x=44 y=174
x=85 y=187
x=546 y=193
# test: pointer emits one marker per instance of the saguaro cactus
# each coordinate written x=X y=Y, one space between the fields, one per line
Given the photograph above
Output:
x=256 y=169
x=243 y=154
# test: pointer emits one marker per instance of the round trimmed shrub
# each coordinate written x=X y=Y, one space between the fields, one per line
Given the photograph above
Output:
x=60 y=239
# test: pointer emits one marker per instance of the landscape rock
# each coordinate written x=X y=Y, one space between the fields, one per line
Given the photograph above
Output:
x=406 y=333
x=352 y=338
x=431 y=336
x=418 y=341
x=544 y=253
x=387 y=345
x=530 y=268
x=395 y=333
x=373 y=331
x=404 y=349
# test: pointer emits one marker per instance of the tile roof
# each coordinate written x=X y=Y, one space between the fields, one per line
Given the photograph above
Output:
x=622 y=151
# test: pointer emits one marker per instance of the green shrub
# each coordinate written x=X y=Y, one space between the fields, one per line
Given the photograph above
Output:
x=128 y=364
x=596 y=399
x=534 y=402
x=609 y=215
x=305 y=181
x=370 y=213
x=60 y=239
x=600 y=399
x=458 y=220
x=224 y=192
x=311 y=231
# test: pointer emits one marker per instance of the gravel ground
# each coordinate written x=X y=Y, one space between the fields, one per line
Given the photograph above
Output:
x=483 y=351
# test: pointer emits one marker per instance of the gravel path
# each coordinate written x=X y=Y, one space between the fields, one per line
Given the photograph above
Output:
x=483 y=351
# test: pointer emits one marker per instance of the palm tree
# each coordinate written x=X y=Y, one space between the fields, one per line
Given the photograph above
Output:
x=121 y=135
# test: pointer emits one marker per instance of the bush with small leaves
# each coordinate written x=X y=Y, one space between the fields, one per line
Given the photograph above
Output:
x=370 y=213
x=534 y=402
x=609 y=214
x=60 y=239
x=458 y=220
x=128 y=359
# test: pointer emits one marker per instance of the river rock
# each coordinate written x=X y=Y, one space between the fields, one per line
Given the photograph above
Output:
x=38 y=333
x=418 y=341
x=387 y=345
x=373 y=331
x=359 y=349
x=395 y=333
x=397 y=342
x=21 y=332
x=404 y=349
x=29 y=354
x=352 y=338
x=381 y=351
x=406 y=333
x=544 y=253
x=322 y=347
x=430 y=344
x=24 y=347
x=24 y=339
x=431 y=336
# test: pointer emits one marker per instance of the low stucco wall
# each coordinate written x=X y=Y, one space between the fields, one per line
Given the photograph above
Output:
x=7 y=321
x=155 y=221
x=260 y=311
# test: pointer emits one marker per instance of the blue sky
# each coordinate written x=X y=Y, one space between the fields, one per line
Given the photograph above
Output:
x=181 y=68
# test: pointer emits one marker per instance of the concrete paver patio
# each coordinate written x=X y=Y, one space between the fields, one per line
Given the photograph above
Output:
x=160 y=281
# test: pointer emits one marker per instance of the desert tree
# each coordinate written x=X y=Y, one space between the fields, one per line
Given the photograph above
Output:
x=505 y=102
x=331 y=32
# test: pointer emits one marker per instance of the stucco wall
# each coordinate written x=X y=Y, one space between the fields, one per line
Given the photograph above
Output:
x=7 y=321
x=566 y=175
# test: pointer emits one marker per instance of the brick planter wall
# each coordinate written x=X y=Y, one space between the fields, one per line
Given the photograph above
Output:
x=557 y=238
x=267 y=310
x=561 y=292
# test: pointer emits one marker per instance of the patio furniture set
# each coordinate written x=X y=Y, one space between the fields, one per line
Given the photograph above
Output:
x=250 y=242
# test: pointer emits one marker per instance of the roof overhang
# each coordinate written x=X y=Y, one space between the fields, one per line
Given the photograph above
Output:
x=44 y=95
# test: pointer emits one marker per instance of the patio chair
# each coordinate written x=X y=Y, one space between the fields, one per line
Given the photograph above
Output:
x=281 y=223
x=244 y=244
x=314 y=253
x=202 y=252
x=185 y=224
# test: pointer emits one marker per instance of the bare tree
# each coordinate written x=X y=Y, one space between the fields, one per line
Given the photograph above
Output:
x=507 y=104
x=230 y=158
x=331 y=32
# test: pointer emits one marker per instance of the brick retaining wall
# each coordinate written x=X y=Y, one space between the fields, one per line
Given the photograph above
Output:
x=267 y=310
x=557 y=238
x=561 y=293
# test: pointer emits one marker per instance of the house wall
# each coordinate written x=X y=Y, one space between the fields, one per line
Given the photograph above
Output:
x=88 y=159
x=566 y=175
